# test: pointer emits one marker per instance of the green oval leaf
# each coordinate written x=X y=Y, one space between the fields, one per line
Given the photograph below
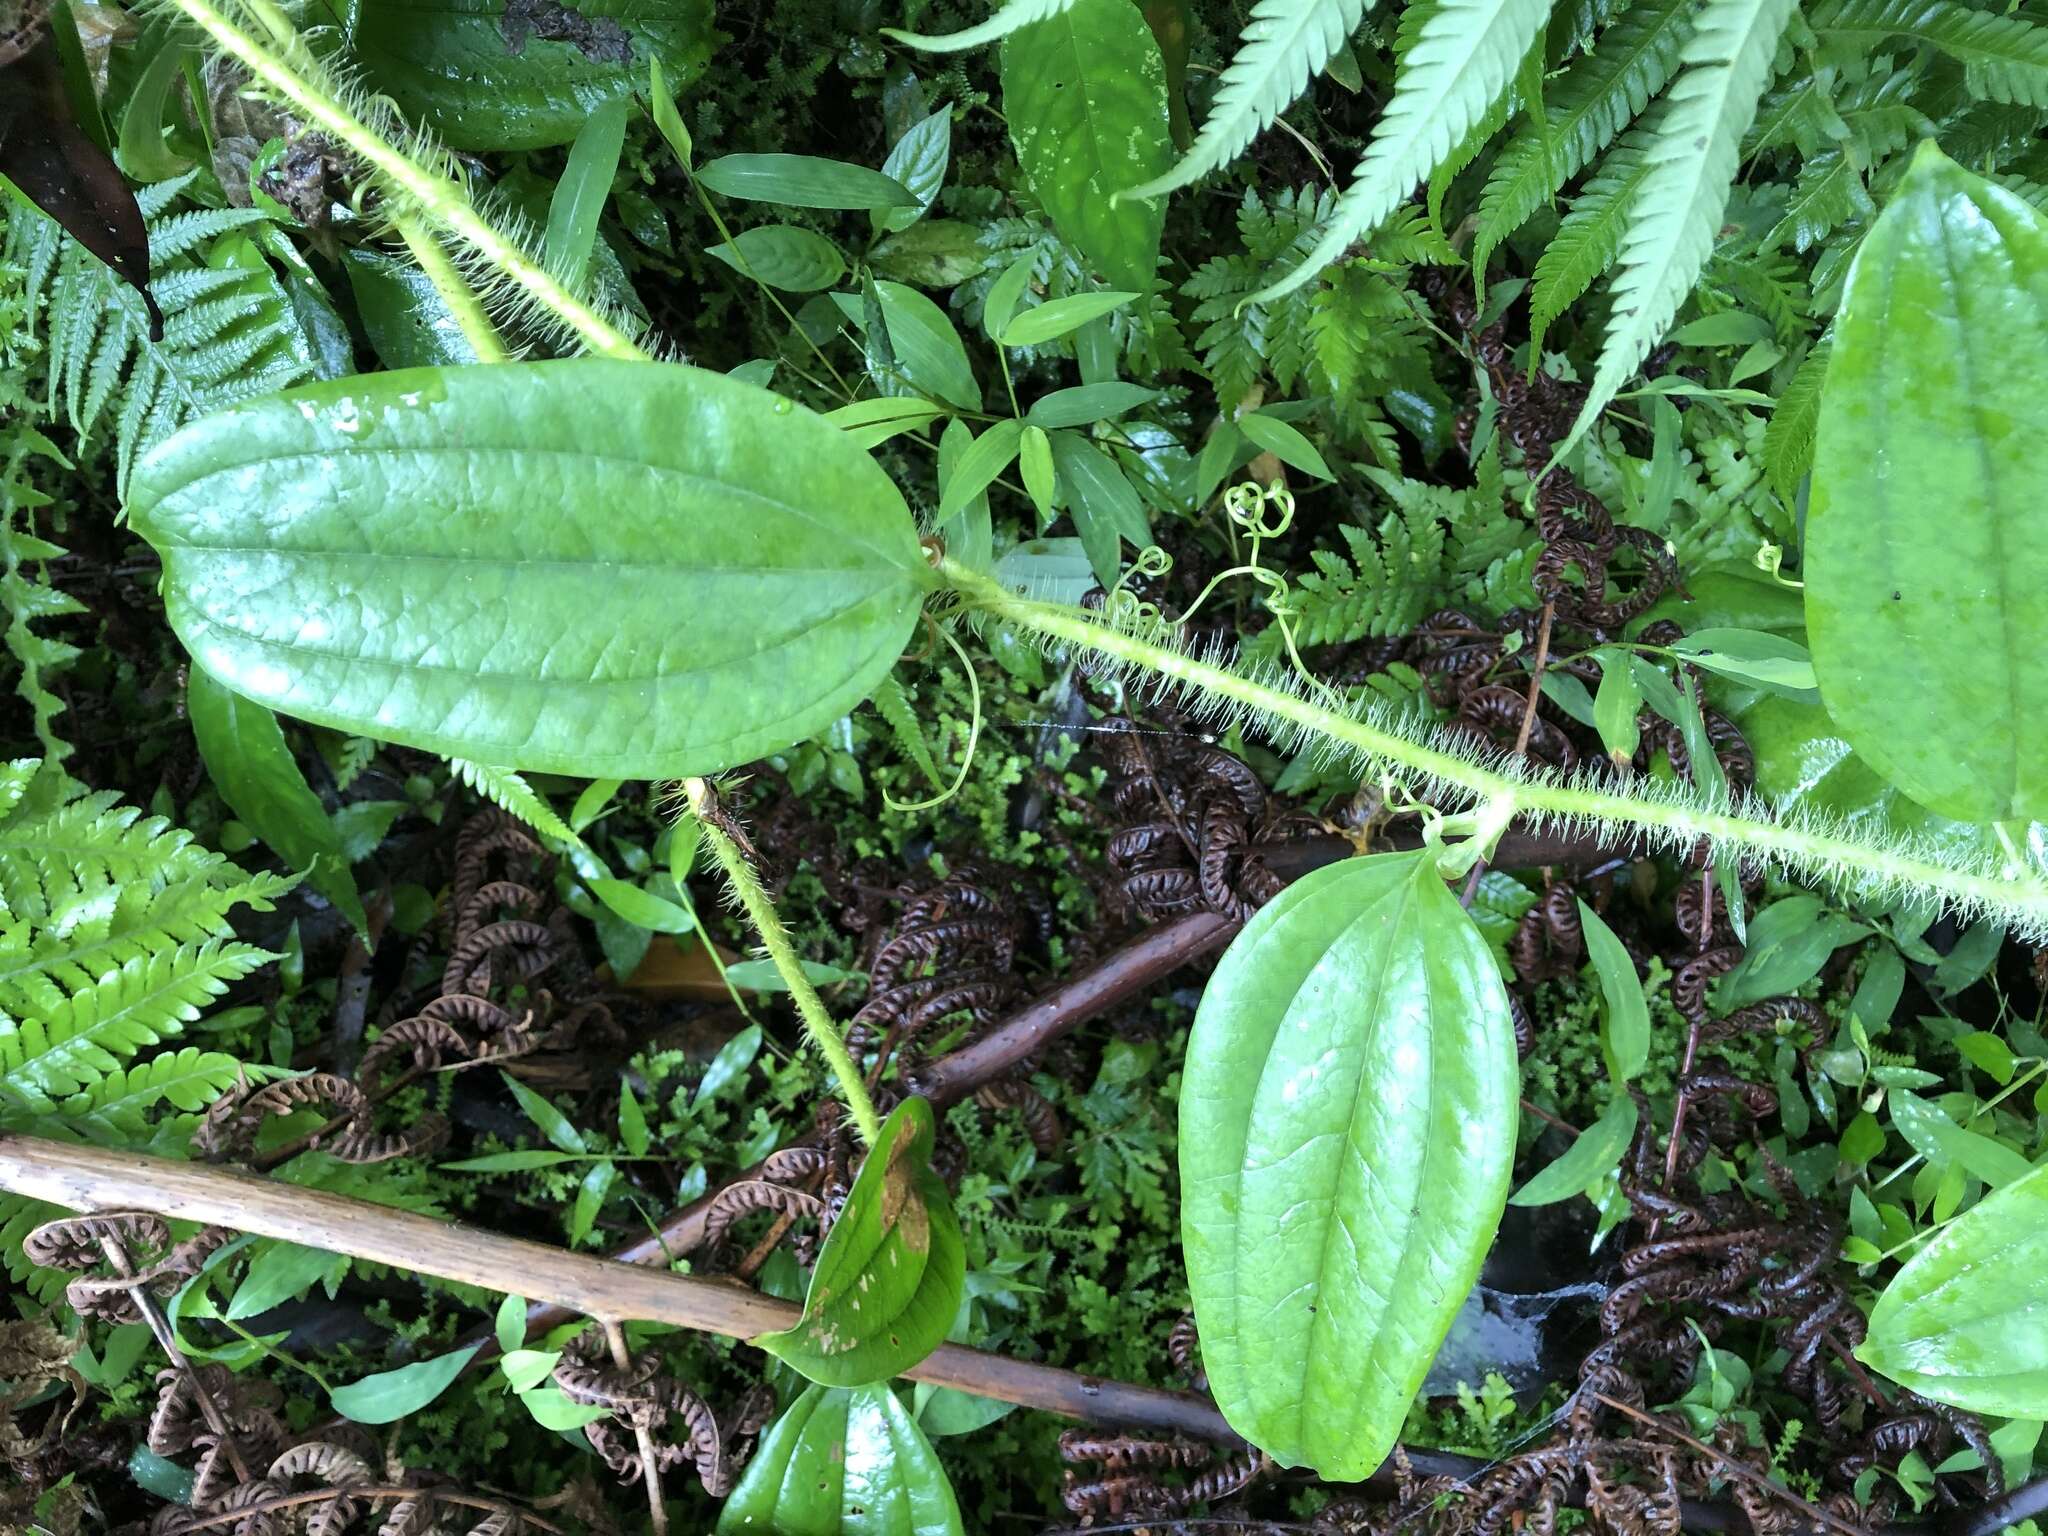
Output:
x=1927 y=535
x=642 y=908
x=253 y=768
x=1954 y=1324
x=1595 y=1151
x=1085 y=404
x=783 y=257
x=843 y=1461
x=1054 y=318
x=919 y=162
x=484 y=80
x=1347 y=1138
x=391 y=1395
x=1085 y=95
x=930 y=356
x=1752 y=656
x=1627 y=1032
x=805 y=181
x=1285 y=442
x=889 y=1281
x=583 y=567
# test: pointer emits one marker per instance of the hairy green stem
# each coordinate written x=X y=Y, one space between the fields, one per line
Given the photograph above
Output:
x=460 y=298
x=2018 y=893
x=767 y=922
x=285 y=66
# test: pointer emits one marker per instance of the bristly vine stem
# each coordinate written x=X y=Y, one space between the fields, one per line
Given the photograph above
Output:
x=2016 y=894
x=767 y=922
x=460 y=298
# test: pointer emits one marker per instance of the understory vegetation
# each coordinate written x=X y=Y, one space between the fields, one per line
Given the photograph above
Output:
x=914 y=767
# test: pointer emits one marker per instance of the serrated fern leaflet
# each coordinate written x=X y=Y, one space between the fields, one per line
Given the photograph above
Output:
x=1462 y=60
x=1283 y=44
x=1691 y=158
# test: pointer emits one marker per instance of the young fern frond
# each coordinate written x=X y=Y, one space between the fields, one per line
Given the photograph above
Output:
x=511 y=793
x=230 y=332
x=500 y=255
x=24 y=596
x=1600 y=94
x=1788 y=441
x=1017 y=13
x=2004 y=58
x=1692 y=154
x=1282 y=46
x=115 y=932
x=1226 y=692
x=1461 y=62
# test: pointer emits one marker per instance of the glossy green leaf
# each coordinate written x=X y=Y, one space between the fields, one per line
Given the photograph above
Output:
x=1347 y=1138
x=1595 y=1151
x=642 y=908
x=968 y=534
x=1285 y=442
x=1086 y=404
x=931 y=358
x=1927 y=532
x=889 y=1280
x=873 y=422
x=1034 y=463
x=1962 y=1321
x=990 y=454
x=1753 y=656
x=553 y=1123
x=1056 y=317
x=783 y=256
x=1106 y=507
x=486 y=82
x=804 y=181
x=918 y=160
x=1085 y=95
x=1941 y=1141
x=404 y=315
x=252 y=766
x=1626 y=1034
x=666 y=117
x=509 y=1325
x=583 y=567
x=391 y=1395
x=729 y=1065
x=1007 y=19
x=932 y=253
x=843 y=1463
x=1616 y=705
x=1789 y=941
x=585 y=187
x=762 y=975
x=279 y=1272
x=1005 y=294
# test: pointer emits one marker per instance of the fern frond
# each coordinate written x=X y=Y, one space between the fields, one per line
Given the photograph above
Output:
x=1282 y=46
x=1017 y=13
x=1692 y=154
x=1828 y=193
x=117 y=1107
x=231 y=332
x=512 y=794
x=1589 y=239
x=2004 y=58
x=1598 y=97
x=1788 y=442
x=1461 y=62
x=27 y=598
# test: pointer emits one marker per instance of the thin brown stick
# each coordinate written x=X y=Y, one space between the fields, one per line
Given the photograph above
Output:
x=83 y=1178
x=1748 y=1474
x=650 y=1463
x=167 y=1341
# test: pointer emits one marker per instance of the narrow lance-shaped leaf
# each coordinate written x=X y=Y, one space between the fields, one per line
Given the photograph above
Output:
x=1085 y=95
x=584 y=567
x=889 y=1281
x=253 y=768
x=1462 y=61
x=1347 y=1135
x=1284 y=44
x=1690 y=162
x=1963 y=1321
x=1927 y=532
x=843 y=1463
